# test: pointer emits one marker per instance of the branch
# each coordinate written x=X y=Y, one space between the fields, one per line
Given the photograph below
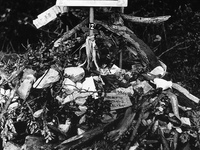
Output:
x=68 y=34
x=135 y=131
x=151 y=20
x=123 y=126
x=76 y=141
x=170 y=49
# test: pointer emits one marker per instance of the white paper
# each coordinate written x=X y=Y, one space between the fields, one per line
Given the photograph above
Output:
x=158 y=71
x=115 y=69
x=46 y=17
x=161 y=83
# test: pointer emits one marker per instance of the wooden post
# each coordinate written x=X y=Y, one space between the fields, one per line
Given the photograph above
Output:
x=121 y=54
x=66 y=10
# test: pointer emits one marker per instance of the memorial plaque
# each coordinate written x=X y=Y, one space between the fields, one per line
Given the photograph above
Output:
x=93 y=3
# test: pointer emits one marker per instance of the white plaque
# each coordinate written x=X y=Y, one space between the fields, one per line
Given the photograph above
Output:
x=93 y=3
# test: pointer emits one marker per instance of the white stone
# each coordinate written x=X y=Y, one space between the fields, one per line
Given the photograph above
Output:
x=47 y=79
x=74 y=73
x=69 y=86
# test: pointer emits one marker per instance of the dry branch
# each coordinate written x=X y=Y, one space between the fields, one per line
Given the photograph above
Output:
x=84 y=138
x=150 y=20
x=163 y=139
x=135 y=130
x=68 y=34
x=123 y=126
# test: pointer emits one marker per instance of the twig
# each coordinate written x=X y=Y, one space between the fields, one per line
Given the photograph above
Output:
x=12 y=46
x=170 y=49
x=144 y=107
x=29 y=108
x=70 y=33
x=123 y=126
x=85 y=137
x=175 y=140
x=163 y=139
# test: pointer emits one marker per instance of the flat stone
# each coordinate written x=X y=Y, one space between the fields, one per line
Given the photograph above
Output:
x=36 y=143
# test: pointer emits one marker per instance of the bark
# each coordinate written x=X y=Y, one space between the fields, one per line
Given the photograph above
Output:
x=150 y=20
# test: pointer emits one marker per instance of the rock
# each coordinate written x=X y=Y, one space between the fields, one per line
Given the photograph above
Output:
x=74 y=73
x=47 y=79
x=38 y=113
x=69 y=86
x=36 y=143
x=64 y=127
x=26 y=84
x=11 y=146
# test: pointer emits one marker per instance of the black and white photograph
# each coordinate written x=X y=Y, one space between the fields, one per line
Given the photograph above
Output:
x=99 y=75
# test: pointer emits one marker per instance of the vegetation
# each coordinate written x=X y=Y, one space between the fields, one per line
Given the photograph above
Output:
x=176 y=42
x=179 y=47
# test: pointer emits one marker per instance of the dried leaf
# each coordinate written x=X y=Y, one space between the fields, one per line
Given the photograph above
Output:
x=13 y=106
x=26 y=84
x=64 y=127
x=38 y=113
x=134 y=147
x=3 y=76
x=174 y=103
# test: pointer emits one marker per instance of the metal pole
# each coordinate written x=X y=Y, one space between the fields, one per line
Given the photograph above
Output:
x=91 y=21
x=66 y=10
